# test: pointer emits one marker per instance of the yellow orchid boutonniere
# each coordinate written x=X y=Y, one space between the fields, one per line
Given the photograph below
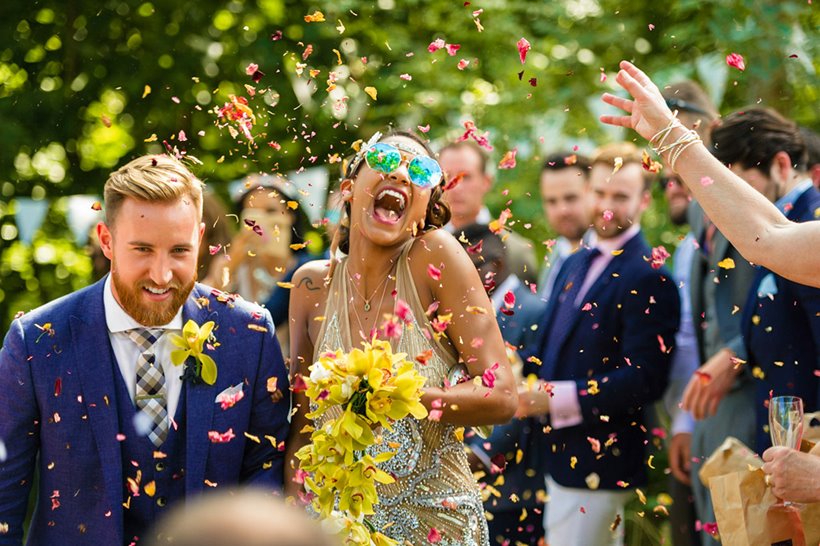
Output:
x=201 y=368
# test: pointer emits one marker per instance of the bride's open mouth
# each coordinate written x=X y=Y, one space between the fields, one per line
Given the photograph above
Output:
x=389 y=205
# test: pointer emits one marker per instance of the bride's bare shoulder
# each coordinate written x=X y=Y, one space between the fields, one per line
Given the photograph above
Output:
x=309 y=282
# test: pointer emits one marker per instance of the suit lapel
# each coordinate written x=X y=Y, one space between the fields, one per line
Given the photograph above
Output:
x=199 y=402
x=604 y=279
x=92 y=349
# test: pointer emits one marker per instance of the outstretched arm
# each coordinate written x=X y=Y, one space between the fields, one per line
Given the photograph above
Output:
x=753 y=225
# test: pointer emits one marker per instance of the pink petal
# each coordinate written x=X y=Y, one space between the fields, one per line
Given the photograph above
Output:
x=463 y=63
x=452 y=49
x=434 y=272
x=706 y=181
x=508 y=161
x=251 y=69
x=735 y=60
x=433 y=537
x=435 y=45
x=523 y=48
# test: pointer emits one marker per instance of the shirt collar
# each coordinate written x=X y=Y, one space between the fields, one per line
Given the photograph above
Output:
x=118 y=320
x=786 y=203
x=607 y=246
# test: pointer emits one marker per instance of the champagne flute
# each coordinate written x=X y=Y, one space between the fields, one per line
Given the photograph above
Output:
x=786 y=421
x=786 y=425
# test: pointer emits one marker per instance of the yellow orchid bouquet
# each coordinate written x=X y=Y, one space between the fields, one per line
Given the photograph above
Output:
x=354 y=395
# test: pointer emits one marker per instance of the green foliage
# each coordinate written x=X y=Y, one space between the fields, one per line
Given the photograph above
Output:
x=45 y=270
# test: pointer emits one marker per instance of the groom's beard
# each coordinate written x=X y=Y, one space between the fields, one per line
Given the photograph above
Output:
x=150 y=313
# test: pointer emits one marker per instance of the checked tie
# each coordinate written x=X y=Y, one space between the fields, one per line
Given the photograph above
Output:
x=566 y=307
x=151 y=393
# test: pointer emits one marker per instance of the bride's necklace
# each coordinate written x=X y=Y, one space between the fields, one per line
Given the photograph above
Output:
x=356 y=311
x=367 y=301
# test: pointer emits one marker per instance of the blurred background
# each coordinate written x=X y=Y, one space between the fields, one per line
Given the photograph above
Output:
x=286 y=87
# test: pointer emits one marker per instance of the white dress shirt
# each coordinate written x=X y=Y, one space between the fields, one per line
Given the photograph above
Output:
x=127 y=352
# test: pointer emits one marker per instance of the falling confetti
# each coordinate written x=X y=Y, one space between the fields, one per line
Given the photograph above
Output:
x=735 y=60
x=523 y=48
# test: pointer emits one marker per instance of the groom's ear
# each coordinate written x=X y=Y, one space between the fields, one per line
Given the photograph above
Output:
x=106 y=240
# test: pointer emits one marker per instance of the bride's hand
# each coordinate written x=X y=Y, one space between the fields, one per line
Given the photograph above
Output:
x=648 y=112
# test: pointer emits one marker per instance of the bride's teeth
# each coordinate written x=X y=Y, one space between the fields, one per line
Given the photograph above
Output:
x=393 y=193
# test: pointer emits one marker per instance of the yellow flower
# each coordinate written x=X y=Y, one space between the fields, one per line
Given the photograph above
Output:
x=365 y=388
x=191 y=343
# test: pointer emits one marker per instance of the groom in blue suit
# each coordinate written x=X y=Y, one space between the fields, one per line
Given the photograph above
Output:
x=604 y=352
x=91 y=397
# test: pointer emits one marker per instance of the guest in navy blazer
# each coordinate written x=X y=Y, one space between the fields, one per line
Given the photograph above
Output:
x=117 y=440
x=512 y=485
x=604 y=353
x=781 y=318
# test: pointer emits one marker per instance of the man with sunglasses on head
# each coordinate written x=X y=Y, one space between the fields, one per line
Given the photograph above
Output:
x=695 y=110
x=469 y=162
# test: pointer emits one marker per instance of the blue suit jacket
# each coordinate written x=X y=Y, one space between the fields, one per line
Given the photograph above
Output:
x=58 y=402
x=517 y=329
x=624 y=342
x=782 y=333
x=520 y=478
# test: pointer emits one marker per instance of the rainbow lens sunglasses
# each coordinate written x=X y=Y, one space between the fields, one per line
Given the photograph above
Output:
x=424 y=171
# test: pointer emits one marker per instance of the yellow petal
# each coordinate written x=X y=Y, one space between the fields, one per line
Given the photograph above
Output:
x=371 y=91
x=728 y=263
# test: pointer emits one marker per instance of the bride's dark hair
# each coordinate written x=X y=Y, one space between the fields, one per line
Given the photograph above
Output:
x=438 y=213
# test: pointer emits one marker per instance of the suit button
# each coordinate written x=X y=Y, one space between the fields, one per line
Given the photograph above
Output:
x=160 y=466
x=161 y=501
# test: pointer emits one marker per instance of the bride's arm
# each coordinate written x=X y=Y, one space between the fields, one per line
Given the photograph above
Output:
x=304 y=296
x=474 y=334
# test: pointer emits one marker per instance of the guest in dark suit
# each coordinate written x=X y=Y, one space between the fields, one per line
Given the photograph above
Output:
x=91 y=396
x=512 y=484
x=781 y=318
x=761 y=147
x=605 y=351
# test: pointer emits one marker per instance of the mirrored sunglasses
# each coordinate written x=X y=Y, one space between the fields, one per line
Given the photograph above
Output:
x=424 y=171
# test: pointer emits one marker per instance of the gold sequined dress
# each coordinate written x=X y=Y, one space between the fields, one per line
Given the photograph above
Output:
x=434 y=487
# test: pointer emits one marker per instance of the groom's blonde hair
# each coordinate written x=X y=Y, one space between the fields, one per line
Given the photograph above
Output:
x=153 y=178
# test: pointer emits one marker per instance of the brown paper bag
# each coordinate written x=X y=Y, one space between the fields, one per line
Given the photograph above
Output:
x=746 y=510
x=748 y=515
x=731 y=456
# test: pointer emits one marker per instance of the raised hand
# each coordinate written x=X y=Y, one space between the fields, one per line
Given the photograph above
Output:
x=648 y=112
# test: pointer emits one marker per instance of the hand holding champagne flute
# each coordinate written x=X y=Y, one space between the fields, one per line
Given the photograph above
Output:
x=785 y=424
